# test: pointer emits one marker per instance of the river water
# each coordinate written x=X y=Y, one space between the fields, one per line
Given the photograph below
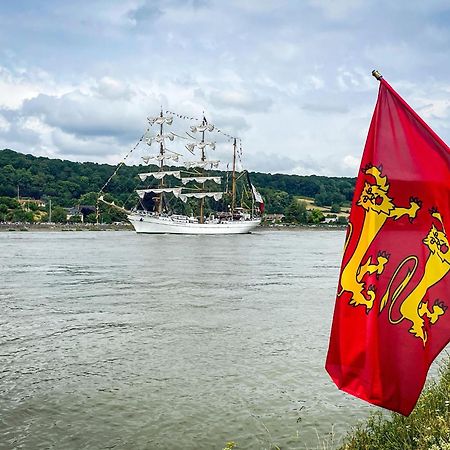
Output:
x=117 y=340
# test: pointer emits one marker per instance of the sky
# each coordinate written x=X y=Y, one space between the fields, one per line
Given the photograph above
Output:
x=290 y=78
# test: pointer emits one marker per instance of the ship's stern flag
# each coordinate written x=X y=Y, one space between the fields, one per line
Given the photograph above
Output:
x=391 y=316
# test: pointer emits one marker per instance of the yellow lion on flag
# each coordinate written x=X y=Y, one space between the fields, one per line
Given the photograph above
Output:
x=414 y=308
x=378 y=207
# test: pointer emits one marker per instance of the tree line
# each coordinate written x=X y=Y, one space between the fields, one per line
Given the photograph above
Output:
x=68 y=184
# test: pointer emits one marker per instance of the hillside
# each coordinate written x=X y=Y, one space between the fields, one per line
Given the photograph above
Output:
x=66 y=182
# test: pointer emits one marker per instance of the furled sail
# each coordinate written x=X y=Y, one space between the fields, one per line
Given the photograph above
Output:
x=160 y=175
x=160 y=120
x=203 y=127
x=160 y=138
x=191 y=147
x=186 y=180
x=183 y=197
x=202 y=145
x=175 y=191
x=147 y=159
x=202 y=164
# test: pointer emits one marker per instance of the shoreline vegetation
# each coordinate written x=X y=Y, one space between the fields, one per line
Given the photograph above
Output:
x=47 y=227
x=426 y=428
x=39 y=189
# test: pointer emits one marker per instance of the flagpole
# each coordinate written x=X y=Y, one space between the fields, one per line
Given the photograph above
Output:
x=377 y=75
x=380 y=78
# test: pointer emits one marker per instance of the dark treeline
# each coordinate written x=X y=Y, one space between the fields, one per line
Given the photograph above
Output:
x=67 y=182
x=279 y=189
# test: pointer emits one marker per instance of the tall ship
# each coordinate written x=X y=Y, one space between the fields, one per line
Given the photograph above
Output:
x=184 y=190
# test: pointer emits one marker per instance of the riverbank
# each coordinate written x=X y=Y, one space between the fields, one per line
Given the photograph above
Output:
x=44 y=226
x=287 y=227
x=63 y=227
x=428 y=426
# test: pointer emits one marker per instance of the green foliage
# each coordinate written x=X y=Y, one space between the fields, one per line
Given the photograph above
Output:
x=71 y=183
x=315 y=216
x=279 y=189
x=10 y=203
x=90 y=199
x=428 y=426
x=59 y=215
x=335 y=208
x=75 y=219
x=20 y=215
x=91 y=218
x=64 y=181
x=296 y=212
x=276 y=201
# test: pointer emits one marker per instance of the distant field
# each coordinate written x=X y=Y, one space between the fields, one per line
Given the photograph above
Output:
x=345 y=210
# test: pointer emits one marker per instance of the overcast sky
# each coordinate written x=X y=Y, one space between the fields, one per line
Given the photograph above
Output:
x=292 y=78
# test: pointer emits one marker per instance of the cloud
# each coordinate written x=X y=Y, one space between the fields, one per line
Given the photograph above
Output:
x=89 y=114
x=326 y=108
x=241 y=100
x=18 y=84
x=5 y=125
x=112 y=89
x=337 y=10
x=72 y=145
x=292 y=79
x=144 y=14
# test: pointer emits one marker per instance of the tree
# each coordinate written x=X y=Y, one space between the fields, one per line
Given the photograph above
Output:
x=296 y=212
x=19 y=215
x=3 y=212
x=335 y=208
x=11 y=203
x=75 y=219
x=89 y=198
x=91 y=218
x=59 y=215
x=70 y=183
x=315 y=216
x=341 y=220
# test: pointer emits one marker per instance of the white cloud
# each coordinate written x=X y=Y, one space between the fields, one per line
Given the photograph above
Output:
x=4 y=124
x=292 y=79
x=244 y=100
x=113 y=89
x=20 y=84
x=351 y=162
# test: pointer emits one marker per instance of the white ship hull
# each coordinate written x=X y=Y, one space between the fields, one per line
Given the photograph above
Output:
x=155 y=224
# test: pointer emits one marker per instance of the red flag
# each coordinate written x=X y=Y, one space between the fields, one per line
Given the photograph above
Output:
x=391 y=318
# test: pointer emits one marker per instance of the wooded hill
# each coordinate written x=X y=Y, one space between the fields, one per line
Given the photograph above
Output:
x=66 y=182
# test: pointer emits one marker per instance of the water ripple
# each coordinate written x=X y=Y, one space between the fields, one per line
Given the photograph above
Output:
x=168 y=342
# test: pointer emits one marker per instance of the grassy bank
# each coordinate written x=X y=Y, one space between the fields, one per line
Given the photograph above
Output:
x=428 y=426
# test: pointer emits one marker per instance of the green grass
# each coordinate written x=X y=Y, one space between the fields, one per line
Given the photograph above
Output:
x=427 y=427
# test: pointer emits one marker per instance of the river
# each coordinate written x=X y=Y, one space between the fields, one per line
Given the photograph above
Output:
x=117 y=340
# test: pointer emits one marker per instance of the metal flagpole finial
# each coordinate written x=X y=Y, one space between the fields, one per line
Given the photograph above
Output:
x=377 y=75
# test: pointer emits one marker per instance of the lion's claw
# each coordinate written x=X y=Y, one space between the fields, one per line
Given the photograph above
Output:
x=441 y=304
x=383 y=254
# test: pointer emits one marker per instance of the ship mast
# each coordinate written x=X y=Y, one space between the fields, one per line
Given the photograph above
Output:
x=233 y=180
x=203 y=158
x=161 y=165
